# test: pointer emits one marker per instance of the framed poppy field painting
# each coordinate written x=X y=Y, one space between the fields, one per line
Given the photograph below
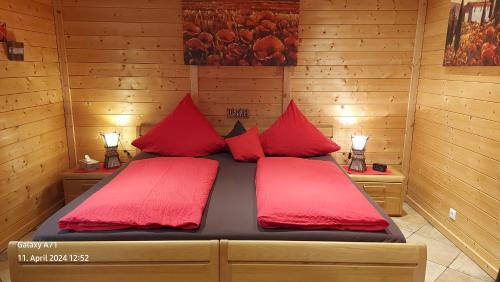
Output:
x=240 y=33
x=473 y=34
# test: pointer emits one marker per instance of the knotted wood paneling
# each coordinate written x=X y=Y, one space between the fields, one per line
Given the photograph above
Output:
x=455 y=158
x=126 y=68
x=33 y=150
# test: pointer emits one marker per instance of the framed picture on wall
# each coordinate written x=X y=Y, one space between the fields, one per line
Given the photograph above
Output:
x=240 y=33
x=473 y=34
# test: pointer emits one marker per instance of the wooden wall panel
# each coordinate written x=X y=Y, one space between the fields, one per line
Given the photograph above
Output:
x=33 y=150
x=355 y=63
x=258 y=89
x=455 y=160
x=126 y=68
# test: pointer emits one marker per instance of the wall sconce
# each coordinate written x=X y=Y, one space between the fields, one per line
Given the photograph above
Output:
x=358 y=153
x=111 y=158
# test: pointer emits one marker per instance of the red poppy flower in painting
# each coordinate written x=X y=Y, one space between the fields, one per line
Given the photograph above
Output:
x=266 y=27
x=194 y=44
x=488 y=54
x=267 y=48
x=241 y=20
x=3 y=31
x=490 y=34
x=292 y=43
x=225 y=35
x=236 y=50
x=246 y=35
x=279 y=58
x=191 y=29
x=251 y=22
x=206 y=38
x=266 y=15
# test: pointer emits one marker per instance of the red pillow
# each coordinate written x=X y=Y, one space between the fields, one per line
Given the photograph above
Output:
x=184 y=132
x=246 y=147
x=293 y=135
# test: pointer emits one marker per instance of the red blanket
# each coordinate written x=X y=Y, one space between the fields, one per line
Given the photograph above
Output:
x=311 y=194
x=149 y=193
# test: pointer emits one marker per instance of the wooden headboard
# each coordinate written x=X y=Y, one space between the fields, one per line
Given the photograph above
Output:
x=223 y=130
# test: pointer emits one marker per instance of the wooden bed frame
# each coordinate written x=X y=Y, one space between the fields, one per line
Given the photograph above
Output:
x=110 y=261
x=214 y=261
x=218 y=260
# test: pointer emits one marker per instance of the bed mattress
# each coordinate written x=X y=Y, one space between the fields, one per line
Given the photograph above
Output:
x=231 y=214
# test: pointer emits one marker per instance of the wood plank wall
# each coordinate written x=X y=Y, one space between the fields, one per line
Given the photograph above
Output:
x=354 y=71
x=33 y=150
x=126 y=68
x=455 y=159
x=259 y=89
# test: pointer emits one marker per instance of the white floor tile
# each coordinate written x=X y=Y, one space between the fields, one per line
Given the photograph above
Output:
x=433 y=271
x=437 y=251
x=465 y=265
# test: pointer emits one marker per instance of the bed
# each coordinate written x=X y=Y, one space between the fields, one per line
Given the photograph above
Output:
x=229 y=246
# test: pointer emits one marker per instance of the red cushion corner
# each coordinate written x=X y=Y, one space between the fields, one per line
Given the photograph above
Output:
x=246 y=147
x=293 y=135
x=184 y=132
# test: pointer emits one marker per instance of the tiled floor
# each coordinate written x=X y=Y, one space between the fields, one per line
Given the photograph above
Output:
x=445 y=262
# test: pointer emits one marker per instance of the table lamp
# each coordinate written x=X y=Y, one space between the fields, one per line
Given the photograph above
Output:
x=358 y=153
x=111 y=158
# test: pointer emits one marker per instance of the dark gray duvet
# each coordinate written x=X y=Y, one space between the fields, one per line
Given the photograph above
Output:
x=230 y=214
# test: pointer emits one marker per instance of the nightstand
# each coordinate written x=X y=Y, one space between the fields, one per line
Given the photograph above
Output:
x=76 y=180
x=386 y=189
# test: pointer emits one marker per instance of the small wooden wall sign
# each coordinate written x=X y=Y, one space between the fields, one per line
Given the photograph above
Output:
x=3 y=32
x=237 y=113
x=15 y=51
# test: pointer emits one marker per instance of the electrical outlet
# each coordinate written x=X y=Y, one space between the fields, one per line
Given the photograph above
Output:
x=453 y=214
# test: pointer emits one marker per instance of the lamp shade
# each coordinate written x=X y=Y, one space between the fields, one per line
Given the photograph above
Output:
x=111 y=139
x=358 y=153
x=359 y=142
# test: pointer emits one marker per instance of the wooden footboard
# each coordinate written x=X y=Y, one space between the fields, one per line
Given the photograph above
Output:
x=179 y=261
x=212 y=261
x=280 y=261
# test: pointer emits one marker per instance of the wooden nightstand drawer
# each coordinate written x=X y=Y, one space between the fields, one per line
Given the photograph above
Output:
x=386 y=189
x=389 y=196
x=75 y=187
x=380 y=201
x=379 y=189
